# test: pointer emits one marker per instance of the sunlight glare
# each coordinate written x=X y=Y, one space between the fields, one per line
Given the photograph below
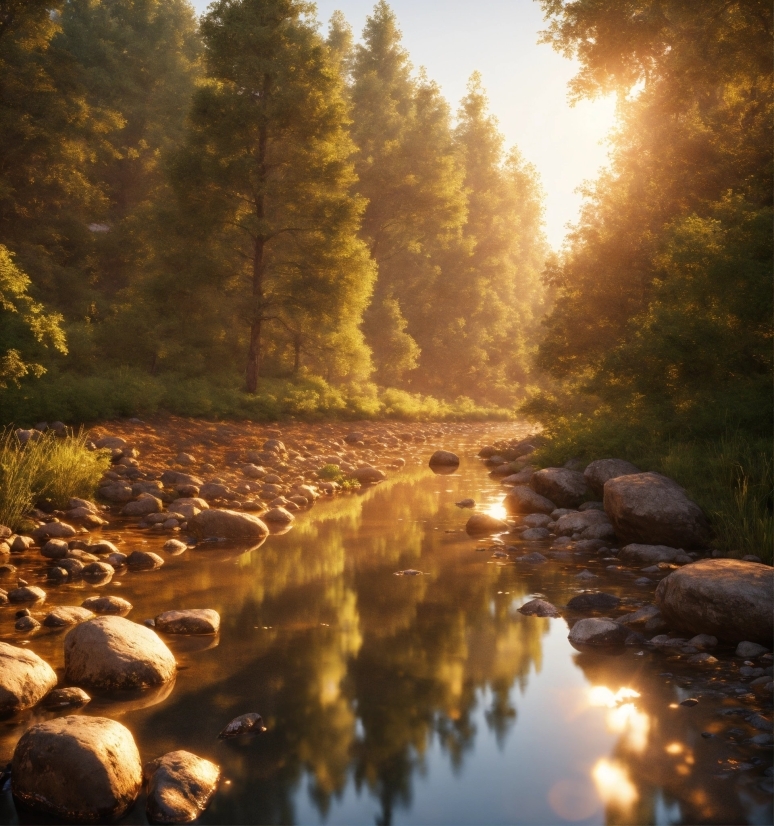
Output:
x=613 y=784
x=601 y=696
x=496 y=510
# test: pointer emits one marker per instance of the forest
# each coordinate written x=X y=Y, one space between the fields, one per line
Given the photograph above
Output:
x=250 y=215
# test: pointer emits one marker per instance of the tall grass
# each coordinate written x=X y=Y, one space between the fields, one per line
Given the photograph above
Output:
x=49 y=469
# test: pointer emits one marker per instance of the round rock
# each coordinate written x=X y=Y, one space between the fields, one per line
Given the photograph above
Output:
x=24 y=679
x=444 y=458
x=599 y=472
x=189 y=621
x=522 y=499
x=27 y=593
x=79 y=769
x=728 y=598
x=180 y=786
x=64 y=697
x=110 y=652
x=482 y=524
x=565 y=487
x=227 y=524
x=598 y=631
x=65 y=615
x=539 y=608
x=117 y=606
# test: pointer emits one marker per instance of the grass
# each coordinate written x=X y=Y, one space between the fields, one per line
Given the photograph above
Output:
x=50 y=469
x=333 y=473
x=730 y=477
x=78 y=399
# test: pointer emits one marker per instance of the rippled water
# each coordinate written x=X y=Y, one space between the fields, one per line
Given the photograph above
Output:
x=425 y=699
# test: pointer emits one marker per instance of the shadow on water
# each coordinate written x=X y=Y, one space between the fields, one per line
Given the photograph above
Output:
x=422 y=699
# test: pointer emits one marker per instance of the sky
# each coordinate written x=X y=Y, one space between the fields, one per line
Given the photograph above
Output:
x=526 y=84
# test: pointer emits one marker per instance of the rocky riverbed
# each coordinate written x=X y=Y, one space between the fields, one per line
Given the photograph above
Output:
x=125 y=599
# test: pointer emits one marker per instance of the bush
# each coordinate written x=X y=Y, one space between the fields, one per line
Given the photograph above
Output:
x=49 y=469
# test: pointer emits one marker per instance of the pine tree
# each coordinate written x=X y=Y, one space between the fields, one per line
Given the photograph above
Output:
x=266 y=176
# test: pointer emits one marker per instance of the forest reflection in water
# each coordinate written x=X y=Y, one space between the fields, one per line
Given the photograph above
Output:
x=422 y=699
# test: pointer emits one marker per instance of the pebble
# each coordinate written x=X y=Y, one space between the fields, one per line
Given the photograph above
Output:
x=244 y=724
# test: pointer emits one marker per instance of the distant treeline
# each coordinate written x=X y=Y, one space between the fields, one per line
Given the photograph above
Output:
x=240 y=199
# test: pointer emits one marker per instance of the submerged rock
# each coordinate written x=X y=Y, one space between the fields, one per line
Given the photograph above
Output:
x=251 y=723
x=482 y=524
x=651 y=509
x=598 y=631
x=111 y=652
x=64 y=697
x=80 y=769
x=727 y=598
x=180 y=786
x=539 y=608
x=227 y=524
x=24 y=679
x=189 y=621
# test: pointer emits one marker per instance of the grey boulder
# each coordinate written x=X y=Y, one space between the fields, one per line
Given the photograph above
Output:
x=601 y=471
x=567 y=488
x=522 y=499
x=728 y=598
x=24 y=679
x=652 y=555
x=482 y=524
x=111 y=652
x=79 y=769
x=651 y=509
x=598 y=631
x=539 y=608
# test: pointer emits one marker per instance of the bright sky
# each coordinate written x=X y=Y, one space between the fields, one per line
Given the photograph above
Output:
x=526 y=83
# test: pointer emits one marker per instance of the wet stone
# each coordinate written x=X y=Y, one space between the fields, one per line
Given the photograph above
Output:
x=539 y=608
x=64 y=697
x=144 y=560
x=597 y=601
x=251 y=723
x=108 y=605
x=66 y=615
x=180 y=786
x=27 y=593
x=189 y=621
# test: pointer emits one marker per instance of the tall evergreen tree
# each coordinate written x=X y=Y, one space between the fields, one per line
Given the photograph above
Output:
x=266 y=176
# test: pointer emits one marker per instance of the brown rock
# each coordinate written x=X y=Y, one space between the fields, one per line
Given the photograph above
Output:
x=565 y=487
x=180 y=786
x=189 y=621
x=24 y=679
x=227 y=524
x=522 y=499
x=599 y=472
x=482 y=524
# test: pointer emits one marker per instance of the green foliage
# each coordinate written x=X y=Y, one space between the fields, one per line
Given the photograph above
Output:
x=333 y=473
x=50 y=469
x=24 y=323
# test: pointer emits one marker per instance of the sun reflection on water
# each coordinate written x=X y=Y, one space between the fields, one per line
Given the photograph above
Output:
x=497 y=510
x=613 y=784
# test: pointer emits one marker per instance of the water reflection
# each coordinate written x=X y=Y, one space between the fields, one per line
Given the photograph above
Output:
x=419 y=699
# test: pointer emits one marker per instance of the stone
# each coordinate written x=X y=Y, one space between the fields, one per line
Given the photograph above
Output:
x=727 y=598
x=145 y=504
x=65 y=697
x=444 y=458
x=24 y=679
x=189 y=621
x=640 y=617
x=179 y=786
x=57 y=575
x=533 y=559
x=703 y=642
x=368 y=475
x=20 y=544
x=117 y=606
x=53 y=530
x=227 y=524
x=98 y=573
x=79 y=769
x=244 y=724
x=537 y=520
x=651 y=509
x=210 y=491
x=522 y=499
x=27 y=593
x=539 y=608
x=175 y=547
x=110 y=652
x=593 y=601
x=466 y=503
x=602 y=470
x=55 y=549
x=144 y=560
x=520 y=478
x=567 y=488
x=750 y=650
x=111 y=443
x=482 y=524
x=65 y=615
x=26 y=623
x=117 y=560
x=279 y=515
x=176 y=478
x=574 y=522
x=117 y=493
x=535 y=533
x=652 y=554
x=103 y=547
x=598 y=631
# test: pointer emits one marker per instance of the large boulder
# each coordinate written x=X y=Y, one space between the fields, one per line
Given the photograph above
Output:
x=598 y=631
x=444 y=458
x=522 y=499
x=368 y=475
x=227 y=524
x=651 y=509
x=482 y=524
x=111 y=652
x=599 y=472
x=79 y=769
x=24 y=679
x=215 y=490
x=728 y=598
x=567 y=488
x=652 y=555
x=180 y=786
x=144 y=505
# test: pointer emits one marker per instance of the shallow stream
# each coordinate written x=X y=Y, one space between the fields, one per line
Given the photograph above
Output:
x=425 y=699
